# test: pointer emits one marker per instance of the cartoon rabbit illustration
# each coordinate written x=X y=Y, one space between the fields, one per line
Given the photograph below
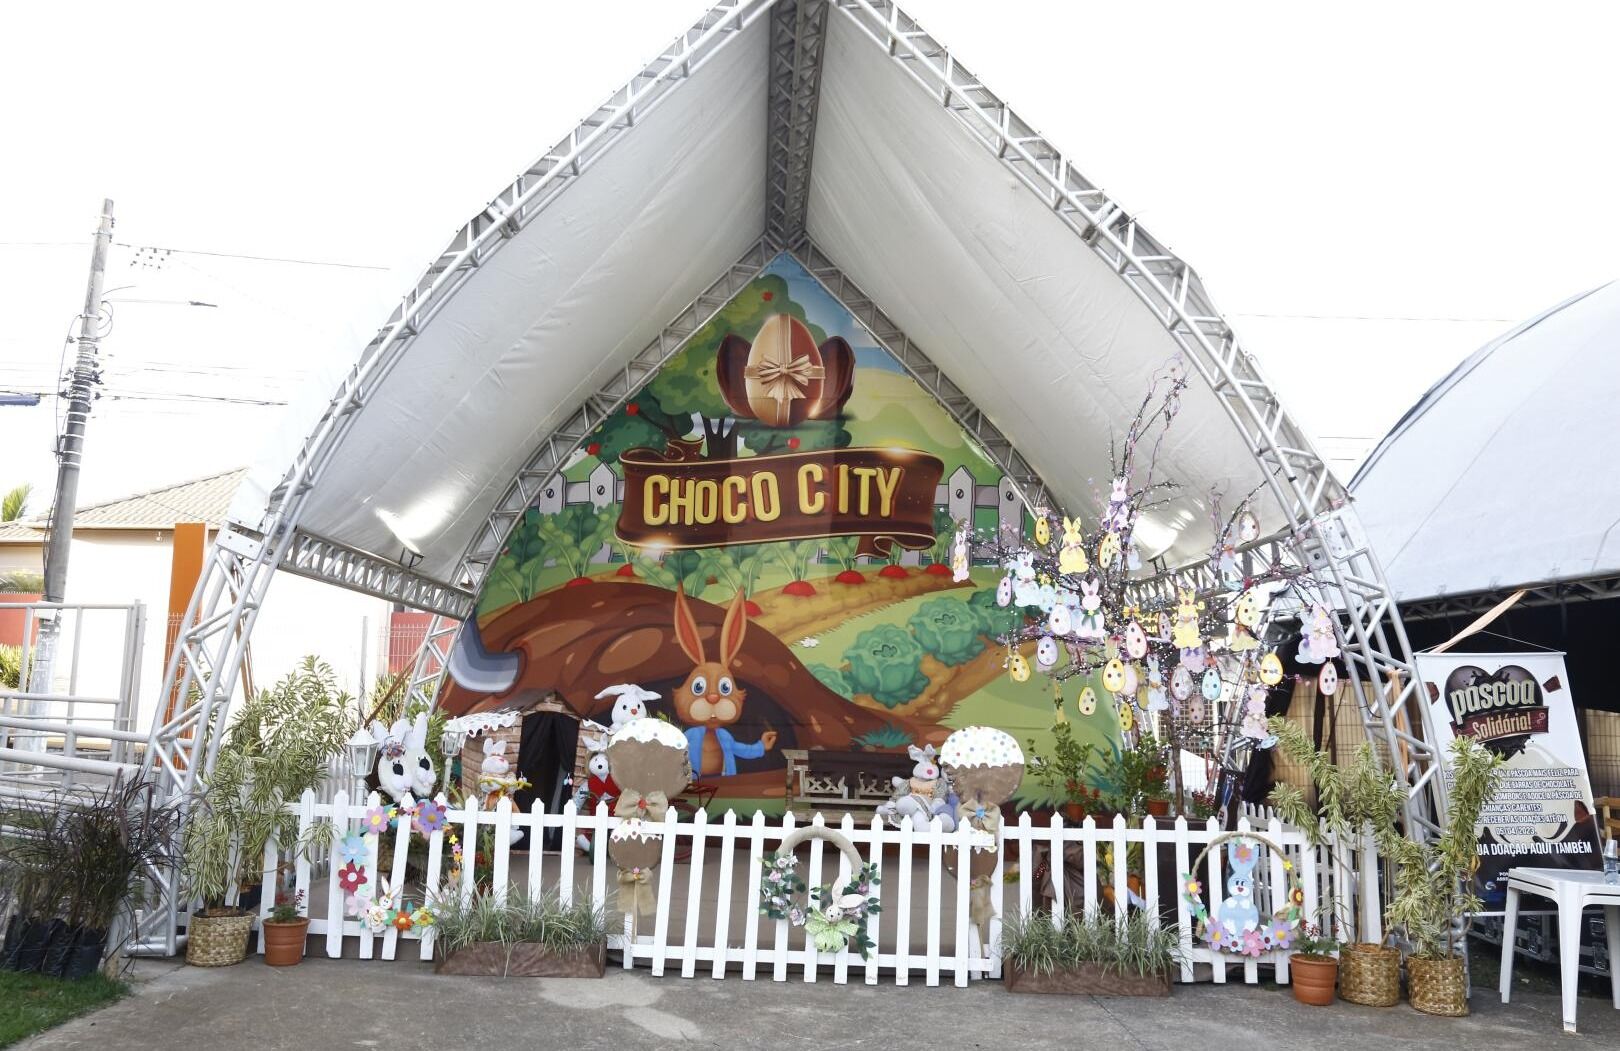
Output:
x=1072 y=556
x=1091 y=617
x=711 y=699
x=403 y=764
x=1238 y=914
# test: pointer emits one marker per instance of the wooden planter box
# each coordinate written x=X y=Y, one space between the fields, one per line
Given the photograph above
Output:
x=1088 y=978
x=523 y=960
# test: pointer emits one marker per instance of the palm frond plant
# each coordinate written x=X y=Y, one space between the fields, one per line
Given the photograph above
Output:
x=1434 y=881
x=520 y=936
x=15 y=502
x=279 y=744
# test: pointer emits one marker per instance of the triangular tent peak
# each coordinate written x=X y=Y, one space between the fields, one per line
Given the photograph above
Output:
x=1029 y=304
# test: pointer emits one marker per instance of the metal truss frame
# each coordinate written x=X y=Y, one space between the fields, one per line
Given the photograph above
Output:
x=1322 y=530
x=1321 y=525
x=1588 y=589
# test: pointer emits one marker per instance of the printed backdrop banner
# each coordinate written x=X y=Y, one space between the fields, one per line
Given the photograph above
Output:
x=1519 y=706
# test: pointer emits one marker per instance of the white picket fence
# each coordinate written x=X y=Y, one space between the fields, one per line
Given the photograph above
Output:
x=720 y=928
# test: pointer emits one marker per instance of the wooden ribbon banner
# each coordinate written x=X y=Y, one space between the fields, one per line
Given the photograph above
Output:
x=883 y=496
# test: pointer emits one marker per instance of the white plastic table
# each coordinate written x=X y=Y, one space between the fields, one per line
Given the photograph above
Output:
x=1572 y=890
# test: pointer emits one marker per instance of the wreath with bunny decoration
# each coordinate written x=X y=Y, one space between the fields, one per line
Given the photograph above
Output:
x=1226 y=931
x=833 y=913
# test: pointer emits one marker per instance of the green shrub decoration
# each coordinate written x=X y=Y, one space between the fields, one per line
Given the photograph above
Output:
x=949 y=629
x=886 y=662
x=832 y=678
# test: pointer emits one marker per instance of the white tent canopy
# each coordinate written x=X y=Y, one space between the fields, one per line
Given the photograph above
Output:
x=1505 y=473
x=1036 y=328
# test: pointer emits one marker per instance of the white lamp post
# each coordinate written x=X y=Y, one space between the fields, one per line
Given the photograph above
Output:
x=450 y=742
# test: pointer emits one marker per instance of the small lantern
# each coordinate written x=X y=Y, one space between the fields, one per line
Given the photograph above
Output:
x=362 y=757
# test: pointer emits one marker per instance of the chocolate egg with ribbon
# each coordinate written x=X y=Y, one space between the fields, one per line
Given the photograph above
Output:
x=783 y=378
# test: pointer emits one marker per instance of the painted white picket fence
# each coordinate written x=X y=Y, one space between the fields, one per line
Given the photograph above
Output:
x=720 y=928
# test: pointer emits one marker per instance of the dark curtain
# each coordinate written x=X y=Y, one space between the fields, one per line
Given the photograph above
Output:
x=546 y=758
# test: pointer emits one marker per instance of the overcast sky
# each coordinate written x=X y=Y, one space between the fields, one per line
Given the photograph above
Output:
x=1319 y=164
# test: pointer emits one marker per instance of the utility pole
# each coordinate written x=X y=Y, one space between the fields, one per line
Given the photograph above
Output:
x=82 y=381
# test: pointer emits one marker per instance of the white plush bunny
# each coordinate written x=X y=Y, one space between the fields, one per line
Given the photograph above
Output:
x=631 y=702
x=403 y=764
x=495 y=762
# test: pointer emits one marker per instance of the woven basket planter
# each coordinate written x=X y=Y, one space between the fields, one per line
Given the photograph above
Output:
x=1370 y=974
x=1438 y=987
x=1087 y=979
x=217 y=941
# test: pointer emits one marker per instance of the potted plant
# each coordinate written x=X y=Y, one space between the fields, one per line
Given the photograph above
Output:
x=279 y=745
x=520 y=937
x=1434 y=884
x=286 y=931
x=1357 y=800
x=74 y=864
x=1313 y=969
x=1064 y=772
x=1089 y=954
x=1156 y=792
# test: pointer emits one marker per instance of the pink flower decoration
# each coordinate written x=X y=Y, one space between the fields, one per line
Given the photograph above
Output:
x=375 y=821
x=1253 y=944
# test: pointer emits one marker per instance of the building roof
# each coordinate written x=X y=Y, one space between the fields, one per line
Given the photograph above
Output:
x=920 y=190
x=1503 y=474
x=198 y=500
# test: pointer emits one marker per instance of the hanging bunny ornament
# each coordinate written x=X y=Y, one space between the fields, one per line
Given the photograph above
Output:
x=1185 y=635
x=1091 y=618
x=1072 y=556
x=1157 y=701
x=1118 y=516
x=1254 y=715
x=1026 y=591
x=1318 y=642
x=404 y=767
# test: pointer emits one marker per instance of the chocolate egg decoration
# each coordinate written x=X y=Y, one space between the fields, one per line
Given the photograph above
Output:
x=783 y=379
x=1271 y=669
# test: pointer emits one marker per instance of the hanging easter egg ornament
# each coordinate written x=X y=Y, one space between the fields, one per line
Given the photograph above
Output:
x=1113 y=675
x=1004 y=591
x=1127 y=717
x=1135 y=640
x=1248 y=527
x=1163 y=634
x=1087 y=701
x=1211 y=685
x=1128 y=686
x=1046 y=653
x=1181 y=683
x=1060 y=621
x=1328 y=680
x=1108 y=550
x=1271 y=669
x=1018 y=667
x=1043 y=532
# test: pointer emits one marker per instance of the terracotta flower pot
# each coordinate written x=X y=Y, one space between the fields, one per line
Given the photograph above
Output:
x=1158 y=807
x=1313 y=978
x=284 y=942
x=1074 y=813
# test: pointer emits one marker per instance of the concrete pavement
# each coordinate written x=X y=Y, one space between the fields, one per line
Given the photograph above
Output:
x=344 y=1003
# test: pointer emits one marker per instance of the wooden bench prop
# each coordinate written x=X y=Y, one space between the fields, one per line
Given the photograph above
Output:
x=842 y=781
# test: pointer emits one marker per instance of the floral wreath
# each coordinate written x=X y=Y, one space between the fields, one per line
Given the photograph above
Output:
x=379 y=908
x=834 y=913
x=1277 y=933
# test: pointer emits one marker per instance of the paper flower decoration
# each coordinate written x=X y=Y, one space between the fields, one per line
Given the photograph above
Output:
x=353 y=848
x=402 y=921
x=375 y=822
x=351 y=877
x=429 y=817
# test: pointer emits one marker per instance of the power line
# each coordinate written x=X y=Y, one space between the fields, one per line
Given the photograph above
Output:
x=243 y=255
x=1381 y=317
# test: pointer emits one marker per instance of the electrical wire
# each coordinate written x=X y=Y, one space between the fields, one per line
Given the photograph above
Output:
x=253 y=258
